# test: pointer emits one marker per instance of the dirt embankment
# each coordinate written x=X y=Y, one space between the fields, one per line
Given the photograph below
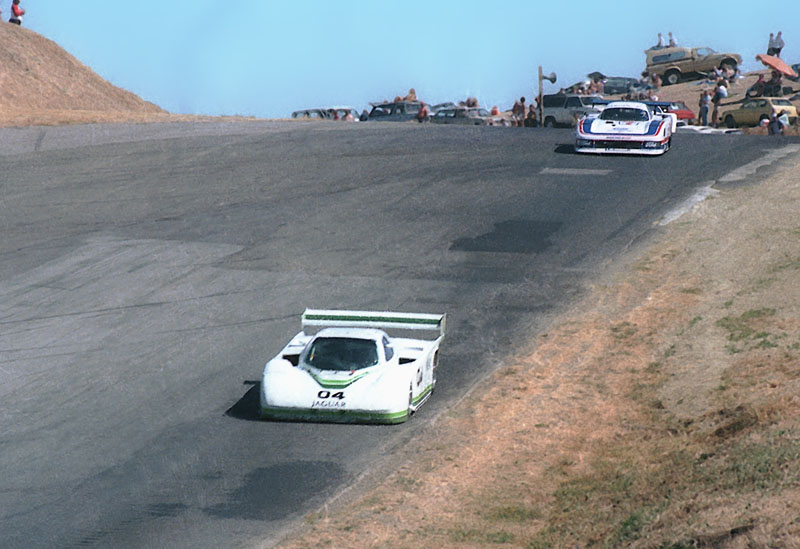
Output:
x=663 y=411
x=42 y=84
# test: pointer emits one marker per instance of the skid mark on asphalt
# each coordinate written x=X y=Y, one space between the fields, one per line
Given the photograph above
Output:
x=574 y=171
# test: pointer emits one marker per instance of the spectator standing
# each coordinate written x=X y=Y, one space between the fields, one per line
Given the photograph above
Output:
x=775 y=126
x=530 y=120
x=778 y=44
x=518 y=112
x=705 y=101
x=771 y=44
x=720 y=92
x=16 y=13
x=422 y=114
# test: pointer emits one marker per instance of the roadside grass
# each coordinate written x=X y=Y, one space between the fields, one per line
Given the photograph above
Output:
x=661 y=482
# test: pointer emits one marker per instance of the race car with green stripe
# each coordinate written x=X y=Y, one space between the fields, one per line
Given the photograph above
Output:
x=350 y=370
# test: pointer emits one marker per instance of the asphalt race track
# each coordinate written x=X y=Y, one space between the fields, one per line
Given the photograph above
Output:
x=147 y=273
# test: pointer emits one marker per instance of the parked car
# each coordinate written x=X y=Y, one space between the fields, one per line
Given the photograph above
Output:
x=473 y=116
x=796 y=67
x=439 y=106
x=566 y=110
x=753 y=111
x=400 y=111
x=342 y=112
x=676 y=64
x=311 y=114
x=685 y=114
x=616 y=85
x=325 y=113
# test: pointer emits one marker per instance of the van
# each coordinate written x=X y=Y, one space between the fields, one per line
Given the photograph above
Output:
x=565 y=110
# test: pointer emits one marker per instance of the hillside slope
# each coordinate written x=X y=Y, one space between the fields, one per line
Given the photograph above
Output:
x=36 y=73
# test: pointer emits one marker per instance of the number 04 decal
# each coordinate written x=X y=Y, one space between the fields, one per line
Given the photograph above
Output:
x=328 y=394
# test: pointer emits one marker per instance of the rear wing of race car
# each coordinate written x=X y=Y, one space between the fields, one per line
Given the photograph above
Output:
x=323 y=318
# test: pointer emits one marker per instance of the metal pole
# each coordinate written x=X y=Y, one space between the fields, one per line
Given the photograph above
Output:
x=541 y=107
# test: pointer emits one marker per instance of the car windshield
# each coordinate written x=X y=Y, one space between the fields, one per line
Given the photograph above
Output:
x=342 y=353
x=624 y=114
x=781 y=102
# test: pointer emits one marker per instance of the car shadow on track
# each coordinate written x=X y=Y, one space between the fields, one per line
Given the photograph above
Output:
x=248 y=407
x=564 y=148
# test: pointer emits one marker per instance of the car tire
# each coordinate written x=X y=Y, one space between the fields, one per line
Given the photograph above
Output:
x=549 y=122
x=728 y=62
x=672 y=77
x=730 y=121
x=410 y=399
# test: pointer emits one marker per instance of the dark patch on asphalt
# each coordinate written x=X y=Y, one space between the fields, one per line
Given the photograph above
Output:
x=516 y=236
x=275 y=492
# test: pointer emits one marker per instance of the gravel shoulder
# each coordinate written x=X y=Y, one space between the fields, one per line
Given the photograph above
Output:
x=660 y=411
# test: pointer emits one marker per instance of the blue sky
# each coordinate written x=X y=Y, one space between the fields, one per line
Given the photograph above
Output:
x=266 y=59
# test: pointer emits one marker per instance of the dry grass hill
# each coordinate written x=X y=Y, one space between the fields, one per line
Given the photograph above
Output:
x=37 y=74
x=42 y=84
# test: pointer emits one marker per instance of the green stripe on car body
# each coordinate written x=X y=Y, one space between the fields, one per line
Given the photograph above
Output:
x=357 y=318
x=422 y=395
x=336 y=383
x=338 y=416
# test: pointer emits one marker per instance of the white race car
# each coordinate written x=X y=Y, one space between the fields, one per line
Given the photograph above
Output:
x=626 y=127
x=351 y=370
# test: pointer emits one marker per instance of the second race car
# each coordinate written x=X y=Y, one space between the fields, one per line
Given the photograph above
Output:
x=626 y=127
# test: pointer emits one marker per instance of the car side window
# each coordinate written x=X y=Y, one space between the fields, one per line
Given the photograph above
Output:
x=387 y=349
x=573 y=102
x=762 y=103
